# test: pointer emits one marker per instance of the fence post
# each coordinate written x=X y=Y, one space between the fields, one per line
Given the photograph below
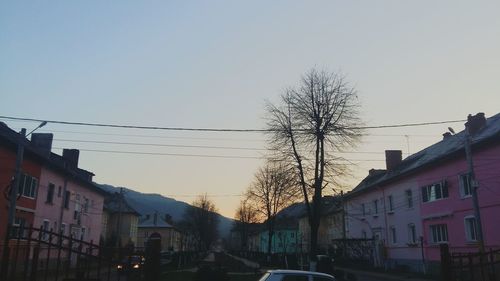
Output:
x=445 y=262
x=492 y=265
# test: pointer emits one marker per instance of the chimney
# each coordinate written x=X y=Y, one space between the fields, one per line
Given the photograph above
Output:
x=392 y=159
x=475 y=123
x=446 y=135
x=42 y=141
x=71 y=157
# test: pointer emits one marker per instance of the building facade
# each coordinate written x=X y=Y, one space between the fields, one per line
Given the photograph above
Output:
x=425 y=200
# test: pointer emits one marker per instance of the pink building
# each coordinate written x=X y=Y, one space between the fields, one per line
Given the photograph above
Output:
x=67 y=199
x=428 y=195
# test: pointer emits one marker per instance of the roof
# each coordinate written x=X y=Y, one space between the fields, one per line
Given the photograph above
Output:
x=443 y=150
x=112 y=205
x=52 y=160
x=154 y=221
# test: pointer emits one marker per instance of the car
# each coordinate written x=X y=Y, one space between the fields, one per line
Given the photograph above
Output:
x=131 y=263
x=295 y=275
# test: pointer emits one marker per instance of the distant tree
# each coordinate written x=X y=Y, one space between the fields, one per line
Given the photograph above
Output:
x=307 y=129
x=272 y=190
x=201 y=221
x=245 y=216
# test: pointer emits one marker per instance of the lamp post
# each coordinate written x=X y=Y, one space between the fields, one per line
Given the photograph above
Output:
x=17 y=176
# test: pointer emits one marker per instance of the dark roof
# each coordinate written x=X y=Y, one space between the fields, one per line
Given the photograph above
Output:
x=445 y=149
x=11 y=138
x=154 y=221
x=112 y=205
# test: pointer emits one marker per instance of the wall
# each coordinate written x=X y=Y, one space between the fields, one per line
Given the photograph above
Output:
x=452 y=210
x=7 y=169
x=91 y=220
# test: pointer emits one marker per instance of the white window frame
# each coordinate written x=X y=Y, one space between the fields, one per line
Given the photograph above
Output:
x=390 y=198
x=439 y=233
x=394 y=236
x=46 y=227
x=431 y=192
x=375 y=207
x=50 y=197
x=409 y=198
x=470 y=236
x=28 y=191
x=412 y=233
x=465 y=184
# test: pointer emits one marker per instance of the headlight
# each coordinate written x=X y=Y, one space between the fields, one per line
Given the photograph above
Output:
x=136 y=266
x=119 y=266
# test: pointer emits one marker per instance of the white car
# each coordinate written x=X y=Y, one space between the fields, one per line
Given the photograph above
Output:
x=295 y=275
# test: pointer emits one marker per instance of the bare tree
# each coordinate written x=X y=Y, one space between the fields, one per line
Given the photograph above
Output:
x=272 y=190
x=245 y=216
x=201 y=221
x=311 y=124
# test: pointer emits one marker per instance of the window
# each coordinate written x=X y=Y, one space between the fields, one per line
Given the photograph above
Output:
x=412 y=234
x=434 y=192
x=363 y=209
x=409 y=198
x=85 y=205
x=375 y=206
x=393 y=235
x=391 y=203
x=50 y=193
x=67 y=194
x=27 y=186
x=439 y=233
x=292 y=235
x=363 y=234
x=19 y=228
x=295 y=278
x=63 y=228
x=470 y=228
x=321 y=278
x=59 y=191
x=465 y=183
x=46 y=228
x=83 y=234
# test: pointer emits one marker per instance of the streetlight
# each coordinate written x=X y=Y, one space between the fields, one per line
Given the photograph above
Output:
x=17 y=176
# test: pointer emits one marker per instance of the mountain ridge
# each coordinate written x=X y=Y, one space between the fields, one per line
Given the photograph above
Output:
x=150 y=203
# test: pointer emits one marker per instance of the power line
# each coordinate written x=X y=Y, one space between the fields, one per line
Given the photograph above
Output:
x=203 y=155
x=197 y=146
x=214 y=129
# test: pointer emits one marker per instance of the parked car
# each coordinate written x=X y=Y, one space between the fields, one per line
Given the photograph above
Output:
x=325 y=264
x=131 y=263
x=295 y=275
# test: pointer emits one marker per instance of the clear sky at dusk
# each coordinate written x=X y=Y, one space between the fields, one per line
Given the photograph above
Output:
x=215 y=63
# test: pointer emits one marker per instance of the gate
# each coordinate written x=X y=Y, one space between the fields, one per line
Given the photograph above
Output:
x=36 y=254
x=470 y=266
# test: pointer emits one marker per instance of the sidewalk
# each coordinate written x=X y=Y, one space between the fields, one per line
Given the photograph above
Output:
x=383 y=275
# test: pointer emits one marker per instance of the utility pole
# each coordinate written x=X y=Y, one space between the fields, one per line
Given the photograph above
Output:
x=120 y=202
x=17 y=176
x=474 y=187
x=14 y=190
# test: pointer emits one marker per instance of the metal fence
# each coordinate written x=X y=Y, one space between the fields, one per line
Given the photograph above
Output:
x=37 y=254
x=470 y=266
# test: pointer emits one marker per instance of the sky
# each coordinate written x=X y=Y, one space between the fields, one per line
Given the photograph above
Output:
x=214 y=64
